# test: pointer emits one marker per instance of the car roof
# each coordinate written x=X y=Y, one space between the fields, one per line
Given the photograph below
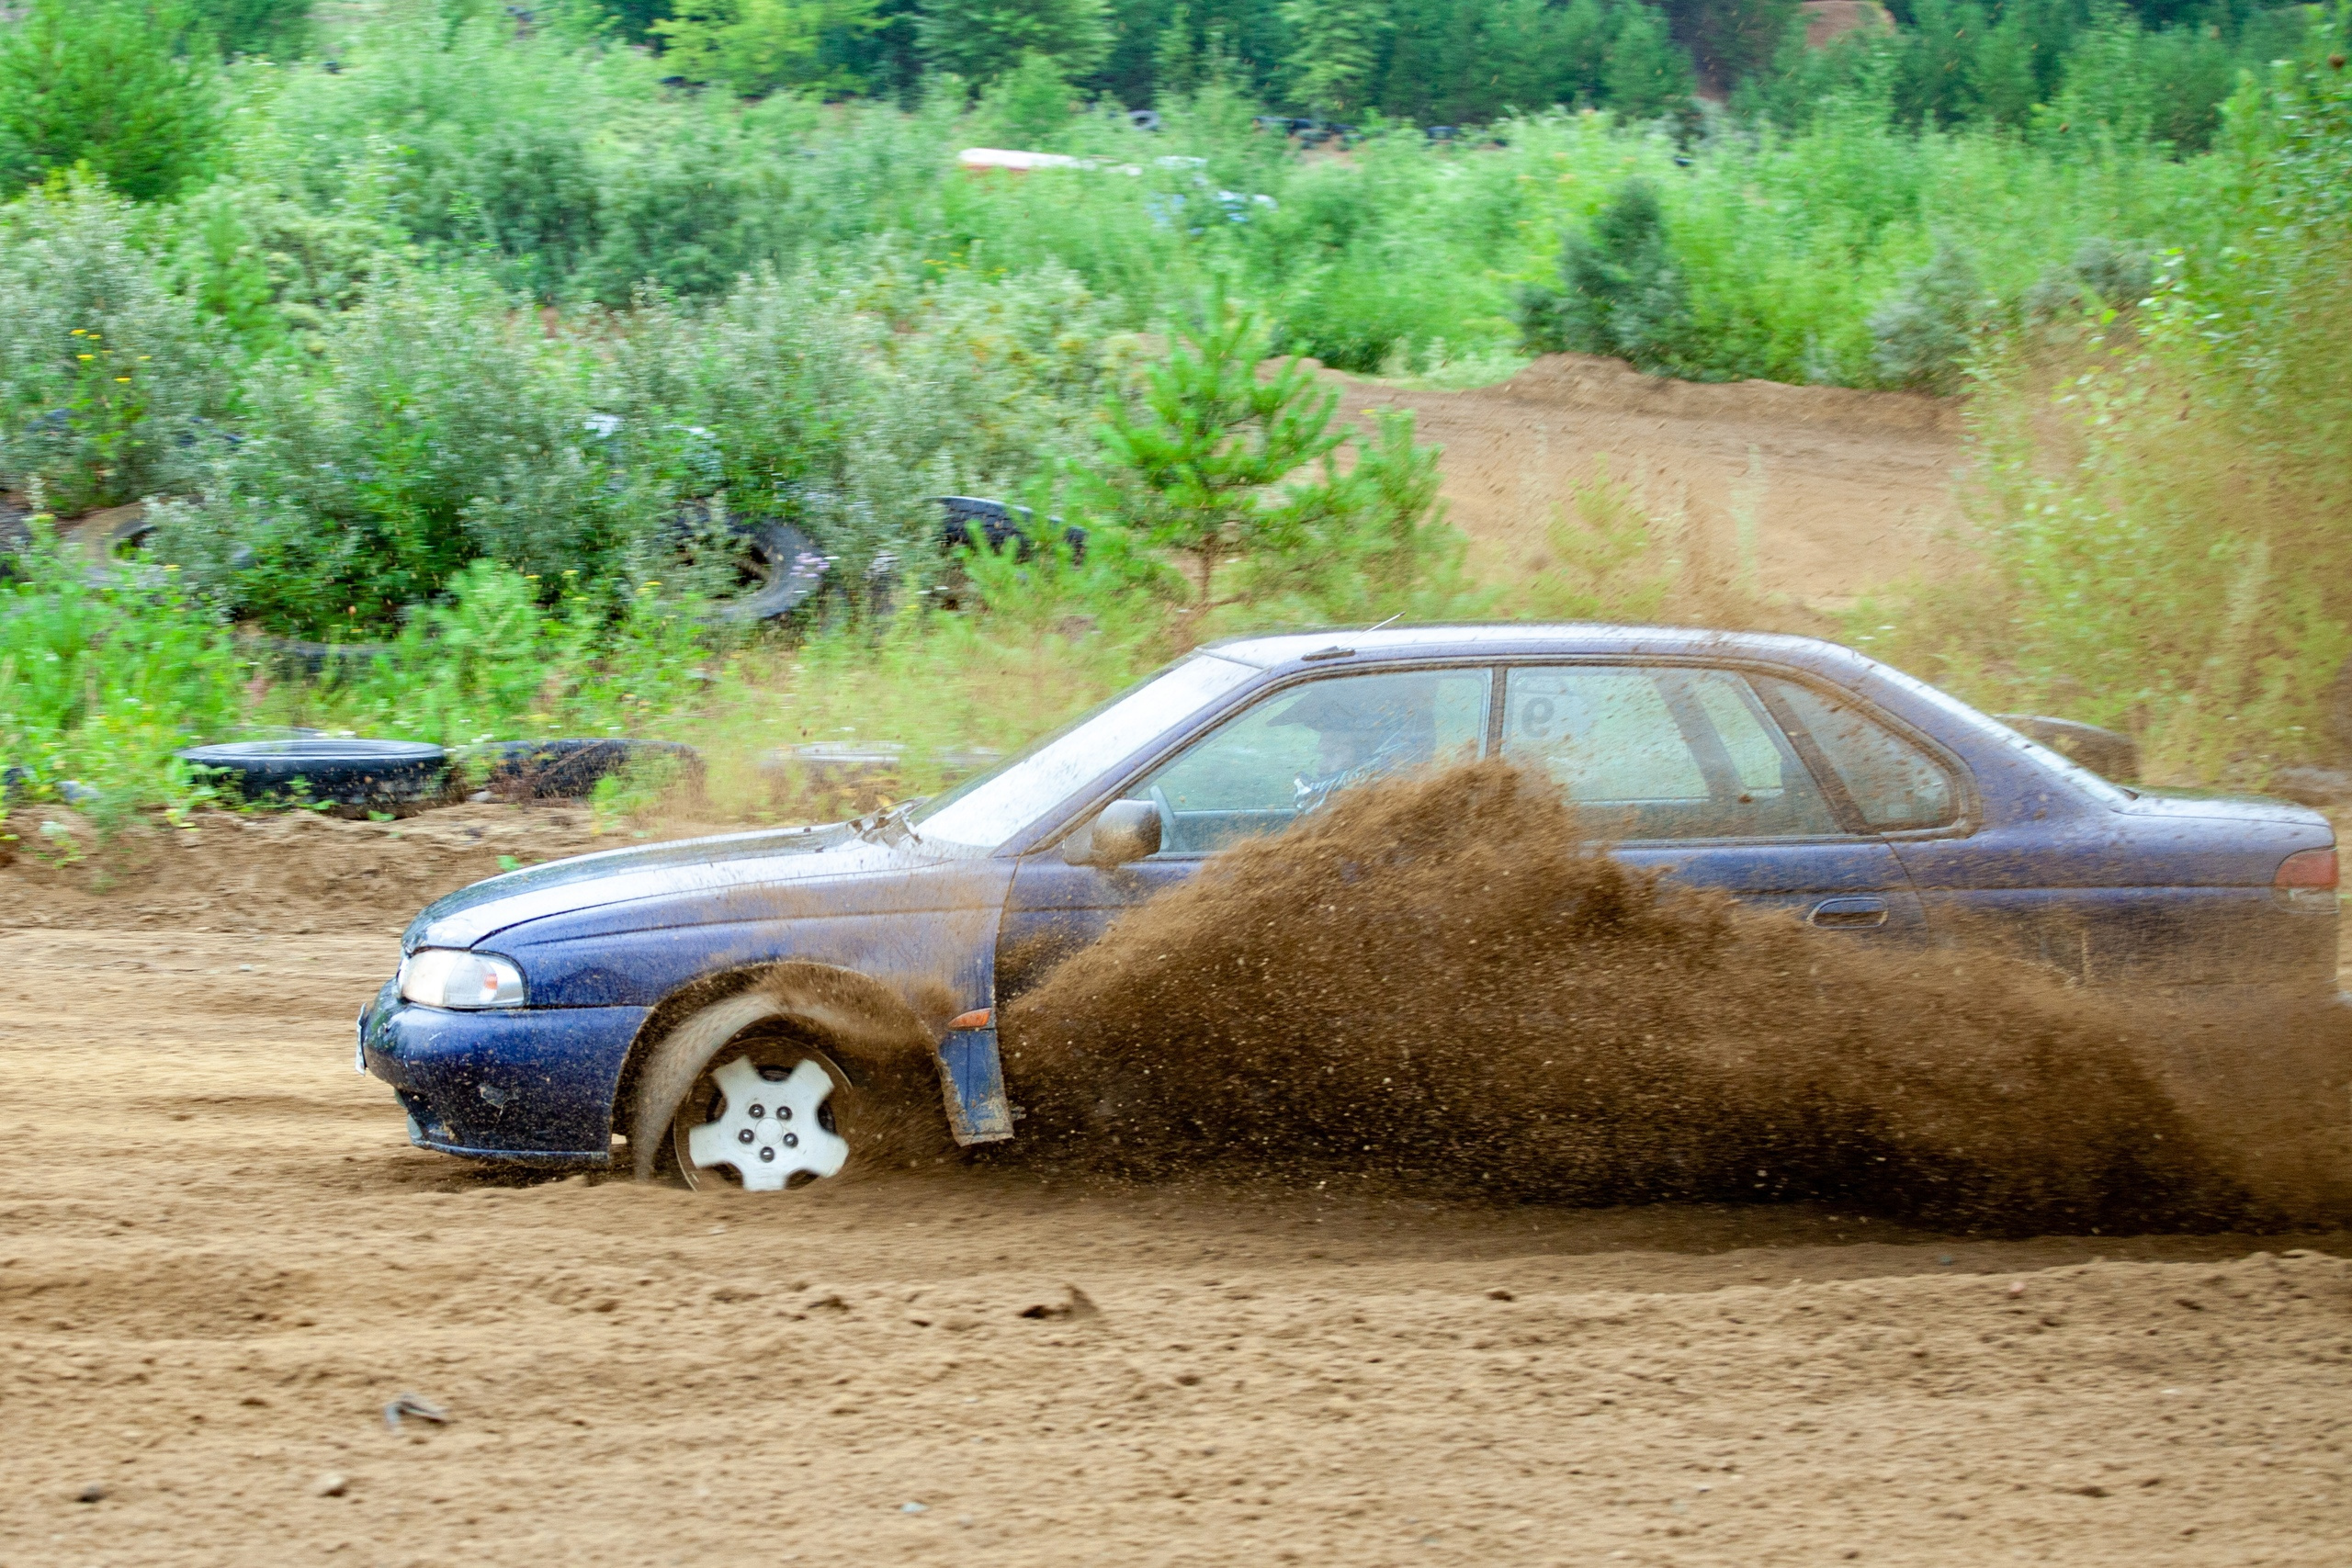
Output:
x=1555 y=638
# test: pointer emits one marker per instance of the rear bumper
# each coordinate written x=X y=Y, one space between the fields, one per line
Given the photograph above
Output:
x=532 y=1085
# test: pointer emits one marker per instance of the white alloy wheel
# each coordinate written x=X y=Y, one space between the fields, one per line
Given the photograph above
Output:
x=767 y=1121
x=821 y=1101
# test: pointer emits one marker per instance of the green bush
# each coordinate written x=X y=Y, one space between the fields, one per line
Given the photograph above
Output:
x=1620 y=293
x=2102 y=275
x=278 y=28
x=758 y=46
x=1028 y=107
x=2165 y=521
x=434 y=425
x=473 y=142
x=272 y=270
x=1923 y=334
x=842 y=409
x=111 y=385
x=493 y=659
x=100 y=685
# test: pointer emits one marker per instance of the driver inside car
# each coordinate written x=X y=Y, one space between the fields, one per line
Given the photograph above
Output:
x=1363 y=729
x=1261 y=770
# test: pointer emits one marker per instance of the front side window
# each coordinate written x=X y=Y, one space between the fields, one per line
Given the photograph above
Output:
x=1662 y=752
x=1262 y=769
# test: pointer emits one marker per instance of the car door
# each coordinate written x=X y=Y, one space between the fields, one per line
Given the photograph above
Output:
x=1253 y=774
x=1709 y=774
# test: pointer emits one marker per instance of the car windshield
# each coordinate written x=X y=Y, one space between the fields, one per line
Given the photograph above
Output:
x=982 y=813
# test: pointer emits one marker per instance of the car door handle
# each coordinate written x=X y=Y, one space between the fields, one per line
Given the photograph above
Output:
x=1848 y=913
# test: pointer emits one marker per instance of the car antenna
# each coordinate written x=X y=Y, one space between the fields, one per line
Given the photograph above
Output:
x=1391 y=621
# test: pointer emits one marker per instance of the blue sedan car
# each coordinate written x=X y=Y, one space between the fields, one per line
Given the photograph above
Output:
x=752 y=1009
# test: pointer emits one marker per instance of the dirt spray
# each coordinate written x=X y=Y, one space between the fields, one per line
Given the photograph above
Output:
x=1441 y=980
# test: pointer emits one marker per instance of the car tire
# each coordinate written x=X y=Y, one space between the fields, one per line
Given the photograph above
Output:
x=377 y=774
x=790 y=571
x=565 y=770
x=298 y=656
x=745 y=1051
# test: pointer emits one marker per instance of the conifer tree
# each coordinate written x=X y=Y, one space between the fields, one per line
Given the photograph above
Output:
x=1175 y=60
x=1647 y=74
x=112 y=83
x=982 y=39
x=1335 y=53
x=757 y=46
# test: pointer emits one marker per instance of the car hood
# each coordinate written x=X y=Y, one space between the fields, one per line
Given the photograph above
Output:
x=652 y=871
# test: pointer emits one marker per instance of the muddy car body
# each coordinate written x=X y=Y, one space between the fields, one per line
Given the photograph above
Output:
x=539 y=1014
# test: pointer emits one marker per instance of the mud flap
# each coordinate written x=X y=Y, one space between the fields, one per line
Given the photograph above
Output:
x=972 y=1079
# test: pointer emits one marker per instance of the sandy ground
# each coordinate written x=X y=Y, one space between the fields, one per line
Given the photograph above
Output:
x=1791 y=503
x=218 y=1260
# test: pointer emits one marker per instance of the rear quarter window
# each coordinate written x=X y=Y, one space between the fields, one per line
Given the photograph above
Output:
x=1892 y=783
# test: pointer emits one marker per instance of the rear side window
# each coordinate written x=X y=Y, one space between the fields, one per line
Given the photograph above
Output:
x=1662 y=752
x=1893 y=783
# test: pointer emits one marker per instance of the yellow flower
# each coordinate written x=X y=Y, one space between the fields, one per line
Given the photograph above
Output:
x=123 y=378
x=85 y=358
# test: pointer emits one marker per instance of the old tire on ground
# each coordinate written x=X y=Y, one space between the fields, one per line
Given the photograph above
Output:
x=566 y=770
x=741 y=1095
x=788 y=571
x=379 y=774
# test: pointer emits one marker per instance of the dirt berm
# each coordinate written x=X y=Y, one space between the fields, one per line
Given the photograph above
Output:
x=219 y=1261
x=1782 y=505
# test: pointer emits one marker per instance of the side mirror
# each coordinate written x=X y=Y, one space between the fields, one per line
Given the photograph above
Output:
x=1121 y=831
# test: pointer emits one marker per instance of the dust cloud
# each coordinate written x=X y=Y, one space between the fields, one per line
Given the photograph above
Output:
x=1440 y=980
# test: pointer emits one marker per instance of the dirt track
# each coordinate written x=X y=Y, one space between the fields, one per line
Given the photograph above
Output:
x=218 y=1259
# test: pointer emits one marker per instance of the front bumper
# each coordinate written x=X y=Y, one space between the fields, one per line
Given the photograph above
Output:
x=532 y=1085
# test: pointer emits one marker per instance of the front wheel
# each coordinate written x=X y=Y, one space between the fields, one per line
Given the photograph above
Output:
x=738 y=1095
x=763 y=1118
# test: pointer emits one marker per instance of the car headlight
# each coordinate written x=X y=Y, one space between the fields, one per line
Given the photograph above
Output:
x=447 y=977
